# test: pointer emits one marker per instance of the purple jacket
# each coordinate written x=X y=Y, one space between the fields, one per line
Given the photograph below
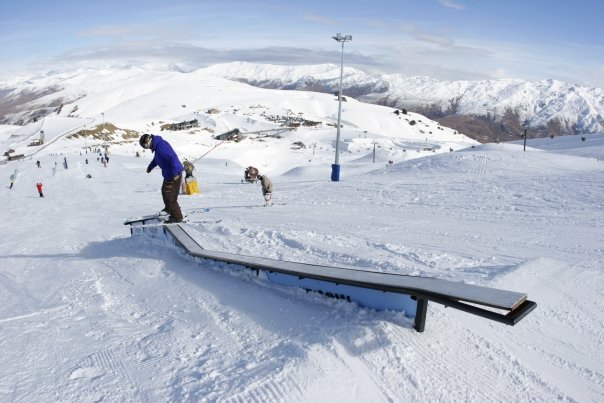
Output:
x=166 y=158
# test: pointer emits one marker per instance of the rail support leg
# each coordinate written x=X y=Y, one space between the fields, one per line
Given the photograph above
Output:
x=420 y=314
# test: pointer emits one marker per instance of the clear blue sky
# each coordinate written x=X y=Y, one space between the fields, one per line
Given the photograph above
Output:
x=444 y=39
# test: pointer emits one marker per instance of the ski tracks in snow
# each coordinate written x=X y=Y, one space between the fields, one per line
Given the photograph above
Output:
x=185 y=344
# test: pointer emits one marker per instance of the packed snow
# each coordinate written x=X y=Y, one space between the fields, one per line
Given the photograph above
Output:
x=88 y=313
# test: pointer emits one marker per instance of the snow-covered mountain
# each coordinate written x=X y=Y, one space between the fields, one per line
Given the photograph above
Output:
x=477 y=108
x=486 y=110
x=93 y=106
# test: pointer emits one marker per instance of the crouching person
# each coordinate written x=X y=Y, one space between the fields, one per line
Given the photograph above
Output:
x=267 y=189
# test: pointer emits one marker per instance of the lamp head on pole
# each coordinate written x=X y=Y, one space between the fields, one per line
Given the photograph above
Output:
x=342 y=38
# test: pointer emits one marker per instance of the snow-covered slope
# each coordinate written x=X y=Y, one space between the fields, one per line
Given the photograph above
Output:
x=549 y=106
x=143 y=100
x=89 y=314
x=574 y=108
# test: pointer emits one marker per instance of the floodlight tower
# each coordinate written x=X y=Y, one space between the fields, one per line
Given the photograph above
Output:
x=335 y=168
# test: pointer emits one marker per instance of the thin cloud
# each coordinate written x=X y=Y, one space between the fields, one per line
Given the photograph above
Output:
x=435 y=40
x=196 y=56
x=452 y=4
x=109 y=31
x=126 y=33
x=320 y=19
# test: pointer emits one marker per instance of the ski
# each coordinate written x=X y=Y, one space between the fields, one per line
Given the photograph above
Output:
x=199 y=210
x=158 y=224
x=269 y=205
x=160 y=218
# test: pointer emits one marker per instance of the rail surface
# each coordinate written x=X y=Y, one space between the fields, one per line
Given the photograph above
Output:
x=368 y=288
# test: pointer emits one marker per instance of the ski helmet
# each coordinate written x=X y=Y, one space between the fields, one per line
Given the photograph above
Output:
x=145 y=140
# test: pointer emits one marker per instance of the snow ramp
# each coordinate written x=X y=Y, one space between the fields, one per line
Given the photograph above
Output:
x=380 y=291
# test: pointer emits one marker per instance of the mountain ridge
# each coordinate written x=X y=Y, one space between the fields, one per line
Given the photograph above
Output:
x=101 y=107
x=487 y=111
x=498 y=107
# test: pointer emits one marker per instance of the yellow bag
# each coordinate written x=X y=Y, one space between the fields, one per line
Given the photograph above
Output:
x=192 y=188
